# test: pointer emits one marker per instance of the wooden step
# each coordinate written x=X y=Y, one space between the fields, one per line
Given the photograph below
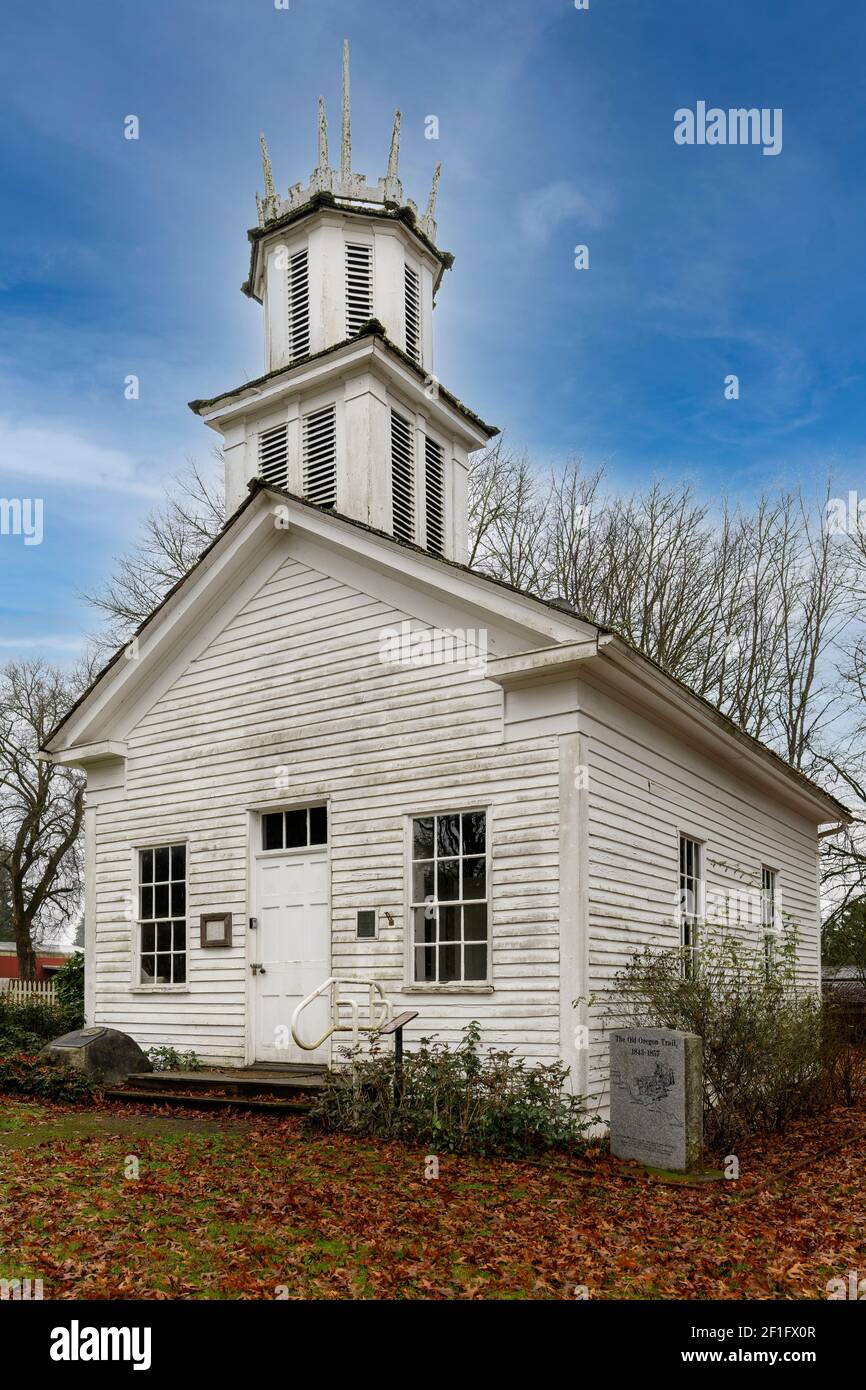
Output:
x=247 y=1082
x=208 y=1102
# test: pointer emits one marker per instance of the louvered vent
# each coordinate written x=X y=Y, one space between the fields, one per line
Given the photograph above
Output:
x=359 y=286
x=274 y=456
x=413 y=314
x=434 y=475
x=402 y=478
x=320 y=456
x=299 y=307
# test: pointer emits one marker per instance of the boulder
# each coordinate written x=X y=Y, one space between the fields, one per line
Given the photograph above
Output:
x=103 y=1054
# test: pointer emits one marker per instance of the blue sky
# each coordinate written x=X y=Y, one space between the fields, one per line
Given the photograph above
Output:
x=556 y=129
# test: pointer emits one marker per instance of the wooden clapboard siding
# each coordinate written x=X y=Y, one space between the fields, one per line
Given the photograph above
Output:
x=294 y=686
x=290 y=702
x=644 y=788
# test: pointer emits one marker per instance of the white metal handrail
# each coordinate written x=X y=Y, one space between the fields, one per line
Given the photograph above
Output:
x=378 y=1006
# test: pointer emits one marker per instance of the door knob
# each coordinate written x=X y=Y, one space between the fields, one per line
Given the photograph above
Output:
x=257 y=969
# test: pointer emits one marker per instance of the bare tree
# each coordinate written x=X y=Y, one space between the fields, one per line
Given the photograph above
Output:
x=506 y=519
x=41 y=809
x=844 y=859
x=817 y=610
x=745 y=607
x=173 y=537
x=6 y=933
x=751 y=608
x=739 y=672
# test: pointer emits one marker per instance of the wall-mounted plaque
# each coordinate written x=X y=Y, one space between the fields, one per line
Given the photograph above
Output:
x=216 y=929
x=366 y=923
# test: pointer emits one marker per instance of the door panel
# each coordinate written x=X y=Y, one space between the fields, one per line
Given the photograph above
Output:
x=293 y=946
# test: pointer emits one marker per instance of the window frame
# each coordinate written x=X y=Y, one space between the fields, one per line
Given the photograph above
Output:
x=770 y=929
x=374 y=935
x=411 y=984
x=282 y=809
x=137 y=986
x=690 y=924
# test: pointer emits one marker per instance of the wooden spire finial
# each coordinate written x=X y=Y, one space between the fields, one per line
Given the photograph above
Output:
x=323 y=135
x=346 y=142
x=394 y=155
x=270 y=191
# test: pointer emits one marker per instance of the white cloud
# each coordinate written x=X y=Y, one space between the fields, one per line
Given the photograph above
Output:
x=542 y=212
x=49 y=641
x=43 y=453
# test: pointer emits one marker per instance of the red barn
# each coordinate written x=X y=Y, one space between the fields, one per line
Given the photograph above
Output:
x=48 y=962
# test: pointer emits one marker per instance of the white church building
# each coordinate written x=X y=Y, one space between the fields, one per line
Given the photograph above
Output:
x=334 y=756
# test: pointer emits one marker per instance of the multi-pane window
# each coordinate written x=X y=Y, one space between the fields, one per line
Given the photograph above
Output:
x=162 y=915
x=691 y=900
x=769 y=921
x=298 y=829
x=450 y=905
x=413 y=314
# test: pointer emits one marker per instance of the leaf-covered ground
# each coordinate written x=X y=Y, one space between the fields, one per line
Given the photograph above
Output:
x=253 y=1207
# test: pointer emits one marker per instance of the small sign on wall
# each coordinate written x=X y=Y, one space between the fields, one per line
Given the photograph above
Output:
x=216 y=929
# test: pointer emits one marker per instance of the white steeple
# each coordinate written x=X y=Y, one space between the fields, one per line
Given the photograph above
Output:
x=349 y=413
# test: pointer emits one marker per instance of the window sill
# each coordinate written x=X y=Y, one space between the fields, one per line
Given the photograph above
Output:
x=447 y=989
x=159 y=989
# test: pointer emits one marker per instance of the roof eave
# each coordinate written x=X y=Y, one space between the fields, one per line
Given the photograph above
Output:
x=326 y=202
x=284 y=378
x=569 y=659
x=682 y=698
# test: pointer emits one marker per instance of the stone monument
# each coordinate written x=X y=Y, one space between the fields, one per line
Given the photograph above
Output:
x=656 y=1097
x=103 y=1054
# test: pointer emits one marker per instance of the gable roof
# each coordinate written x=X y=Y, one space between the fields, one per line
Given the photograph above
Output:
x=256 y=488
x=613 y=643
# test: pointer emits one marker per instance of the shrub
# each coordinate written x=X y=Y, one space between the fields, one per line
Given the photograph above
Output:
x=454 y=1100
x=169 y=1059
x=21 y=1074
x=30 y=1024
x=765 y=1043
x=844 y=1046
x=69 y=988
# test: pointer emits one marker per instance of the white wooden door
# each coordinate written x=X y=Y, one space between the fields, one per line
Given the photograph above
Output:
x=292 y=949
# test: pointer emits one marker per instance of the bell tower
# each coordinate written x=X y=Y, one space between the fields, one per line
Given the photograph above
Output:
x=349 y=413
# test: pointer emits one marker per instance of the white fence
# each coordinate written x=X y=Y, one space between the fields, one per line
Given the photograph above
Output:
x=25 y=991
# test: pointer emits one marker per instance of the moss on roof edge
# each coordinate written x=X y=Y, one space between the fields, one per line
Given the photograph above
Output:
x=326 y=201
x=372 y=329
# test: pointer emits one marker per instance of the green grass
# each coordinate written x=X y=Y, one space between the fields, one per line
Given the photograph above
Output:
x=252 y=1208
